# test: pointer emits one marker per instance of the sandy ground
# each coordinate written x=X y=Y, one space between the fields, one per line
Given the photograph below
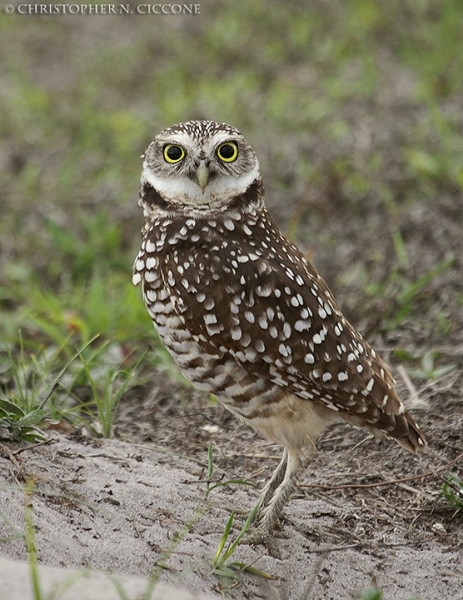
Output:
x=115 y=506
x=76 y=584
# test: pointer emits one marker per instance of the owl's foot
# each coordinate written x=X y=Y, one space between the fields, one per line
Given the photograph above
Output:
x=261 y=535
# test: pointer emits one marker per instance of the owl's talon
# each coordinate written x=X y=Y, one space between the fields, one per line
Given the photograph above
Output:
x=262 y=536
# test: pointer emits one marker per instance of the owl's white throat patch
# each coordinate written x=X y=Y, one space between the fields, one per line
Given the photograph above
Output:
x=185 y=192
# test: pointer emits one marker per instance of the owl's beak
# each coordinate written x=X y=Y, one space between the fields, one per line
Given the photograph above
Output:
x=202 y=175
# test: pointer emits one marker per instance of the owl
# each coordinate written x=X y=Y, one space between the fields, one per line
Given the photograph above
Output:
x=245 y=315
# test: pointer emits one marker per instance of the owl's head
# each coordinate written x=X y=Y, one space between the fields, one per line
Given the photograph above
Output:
x=198 y=166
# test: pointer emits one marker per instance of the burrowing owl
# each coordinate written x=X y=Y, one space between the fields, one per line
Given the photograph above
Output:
x=242 y=311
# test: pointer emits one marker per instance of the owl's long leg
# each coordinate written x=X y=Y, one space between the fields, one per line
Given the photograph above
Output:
x=272 y=484
x=296 y=460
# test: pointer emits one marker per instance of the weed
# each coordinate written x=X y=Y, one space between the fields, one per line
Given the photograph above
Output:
x=108 y=385
x=99 y=368
x=76 y=114
x=22 y=412
x=25 y=376
x=371 y=594
x=177 y=538
x=452 y=492
x=16 y=425
x=428 y=370
x=30 y=543
x=210 y=485
x=226 y=547
x=31 y=548
x=407 y=294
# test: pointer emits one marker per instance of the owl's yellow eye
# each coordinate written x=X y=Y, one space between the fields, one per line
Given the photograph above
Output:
x=173 y=153
x=227 y=152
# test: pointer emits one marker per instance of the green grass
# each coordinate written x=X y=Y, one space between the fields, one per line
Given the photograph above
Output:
x=371 y=594
x=222 y=566
x=374 y=594
x=452 y=492
x=410 y=298
x=38 y=395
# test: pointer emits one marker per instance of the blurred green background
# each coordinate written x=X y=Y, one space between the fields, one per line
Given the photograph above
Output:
x=355 y=110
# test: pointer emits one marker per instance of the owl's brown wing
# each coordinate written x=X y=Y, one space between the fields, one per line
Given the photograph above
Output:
x=277 y=318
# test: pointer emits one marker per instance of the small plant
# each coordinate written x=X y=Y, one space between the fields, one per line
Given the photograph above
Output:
x=25 y=377
x=210 y=485
x=108 y=383
x=226 y=548
x=25 y=406
x=22 y=413
x=372 y=594
x=17 y=425
x=429 y=370
x=58 y=589
x=452 y=491
x=30 y=543
x=176 y=539
x=407 y=294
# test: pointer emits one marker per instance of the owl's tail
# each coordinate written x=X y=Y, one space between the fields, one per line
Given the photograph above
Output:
x=414 y=440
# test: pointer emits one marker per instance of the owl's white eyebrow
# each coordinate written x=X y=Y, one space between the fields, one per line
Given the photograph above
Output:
x=184 y=139
x=181 y=138
x=220 y=137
